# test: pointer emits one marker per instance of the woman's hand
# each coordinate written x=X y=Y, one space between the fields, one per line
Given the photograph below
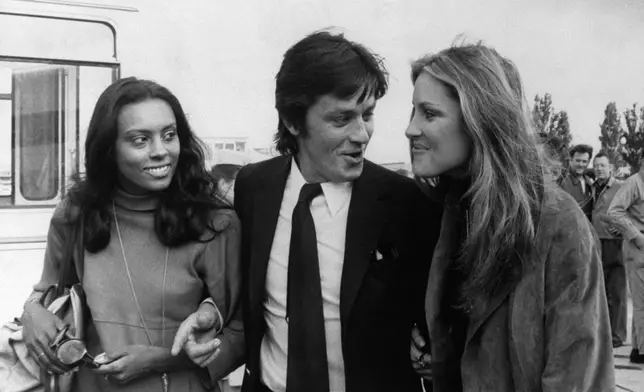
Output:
x=421 y=360
x=131 y=363
x=40 y=327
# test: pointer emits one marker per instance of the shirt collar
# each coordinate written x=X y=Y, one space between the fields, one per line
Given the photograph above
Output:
x=609 y=181
x=336 y=194
x=575 y=179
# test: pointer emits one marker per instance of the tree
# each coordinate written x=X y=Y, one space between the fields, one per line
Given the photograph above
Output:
x=542 y=111
x=559 y=126
x=633 y=138
x=553 y=127
x=611 y=134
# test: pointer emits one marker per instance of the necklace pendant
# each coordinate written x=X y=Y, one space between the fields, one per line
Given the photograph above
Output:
x=166 y=382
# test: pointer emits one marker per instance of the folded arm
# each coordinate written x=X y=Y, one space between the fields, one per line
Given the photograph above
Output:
x=213 y=336
x=617 y=213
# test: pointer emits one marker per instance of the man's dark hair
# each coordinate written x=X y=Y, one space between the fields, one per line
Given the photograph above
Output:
x=602 y=154
x=582 y=149
x=319 y=64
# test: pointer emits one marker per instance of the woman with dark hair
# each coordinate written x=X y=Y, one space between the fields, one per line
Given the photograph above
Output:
x=515 y=298
x=157 y=242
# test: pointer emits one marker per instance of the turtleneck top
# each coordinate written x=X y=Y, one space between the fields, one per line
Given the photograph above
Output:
x=195 y=271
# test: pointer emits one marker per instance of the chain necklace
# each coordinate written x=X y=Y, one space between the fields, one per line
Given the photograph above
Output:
x=164 y=377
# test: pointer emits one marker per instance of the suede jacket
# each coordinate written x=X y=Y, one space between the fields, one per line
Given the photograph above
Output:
x=547 y=330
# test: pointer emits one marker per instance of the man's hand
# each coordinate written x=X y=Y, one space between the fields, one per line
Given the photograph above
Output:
x=420 y=359
x=197 y=336
x=612 y=230
x=638 y=241
x=610 y=225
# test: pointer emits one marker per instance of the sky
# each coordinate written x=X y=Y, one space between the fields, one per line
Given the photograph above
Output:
x=220 y=57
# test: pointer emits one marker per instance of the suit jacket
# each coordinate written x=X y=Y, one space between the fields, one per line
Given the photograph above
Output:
x=584 y=197
x=380 y=300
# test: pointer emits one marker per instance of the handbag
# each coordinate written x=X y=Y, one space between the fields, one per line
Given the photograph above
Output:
x=19 y=372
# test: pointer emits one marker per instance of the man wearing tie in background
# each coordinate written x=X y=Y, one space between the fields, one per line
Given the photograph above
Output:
x=576 y=182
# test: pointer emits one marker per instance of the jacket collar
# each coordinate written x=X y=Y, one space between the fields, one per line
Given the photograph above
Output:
x=609 y=183
x=441 y=260
x=576 y=180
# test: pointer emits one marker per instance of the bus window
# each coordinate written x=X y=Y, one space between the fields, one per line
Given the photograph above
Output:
x=43 y=122
x=39 y=115
x=51 y=75
x=56 y=38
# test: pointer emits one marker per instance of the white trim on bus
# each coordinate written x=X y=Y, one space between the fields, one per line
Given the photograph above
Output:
x=84 y=5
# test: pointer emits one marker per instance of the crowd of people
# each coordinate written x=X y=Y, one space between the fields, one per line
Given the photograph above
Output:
x=613 y=207
x=322 y=271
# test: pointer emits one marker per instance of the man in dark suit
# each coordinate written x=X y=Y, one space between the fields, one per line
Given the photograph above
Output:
x=335 y=249
x=576 y=181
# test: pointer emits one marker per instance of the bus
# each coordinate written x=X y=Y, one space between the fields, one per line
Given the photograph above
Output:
x=53 y=67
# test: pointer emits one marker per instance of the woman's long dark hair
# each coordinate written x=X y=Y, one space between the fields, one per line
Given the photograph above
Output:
x=184 y=209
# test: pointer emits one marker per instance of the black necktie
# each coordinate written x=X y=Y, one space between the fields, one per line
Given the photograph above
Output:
x=307 y=369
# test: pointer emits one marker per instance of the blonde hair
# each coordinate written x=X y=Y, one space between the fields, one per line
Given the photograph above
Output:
x=506 y=170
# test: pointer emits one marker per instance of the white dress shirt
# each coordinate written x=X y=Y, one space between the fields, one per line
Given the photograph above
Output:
x=583 y=184
x=329 y=211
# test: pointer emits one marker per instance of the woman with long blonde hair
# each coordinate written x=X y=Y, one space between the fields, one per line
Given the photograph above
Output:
x=515 y=293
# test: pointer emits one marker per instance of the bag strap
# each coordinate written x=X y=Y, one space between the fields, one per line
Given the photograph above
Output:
x=73 y=244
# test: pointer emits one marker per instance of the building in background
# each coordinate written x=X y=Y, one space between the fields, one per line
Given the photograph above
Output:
x=234 y=149
x=399 y=167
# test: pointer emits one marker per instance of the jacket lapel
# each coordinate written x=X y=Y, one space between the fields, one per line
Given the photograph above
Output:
x=364 y=224
x=441 y=260
x=266 y=207
x=477 y=320
x=507 y=287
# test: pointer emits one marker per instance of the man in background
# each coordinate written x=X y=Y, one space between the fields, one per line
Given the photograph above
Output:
x=626 y=211
x=604 y=189
x=575 y=181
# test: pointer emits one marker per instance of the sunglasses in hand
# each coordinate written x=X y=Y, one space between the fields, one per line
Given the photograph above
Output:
x=72 y=352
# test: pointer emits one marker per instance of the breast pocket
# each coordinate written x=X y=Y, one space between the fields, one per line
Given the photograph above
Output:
x=386 y=267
